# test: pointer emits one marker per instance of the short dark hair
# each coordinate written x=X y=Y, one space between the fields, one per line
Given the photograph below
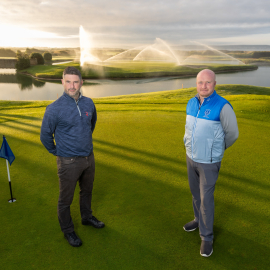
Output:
x=72 y=71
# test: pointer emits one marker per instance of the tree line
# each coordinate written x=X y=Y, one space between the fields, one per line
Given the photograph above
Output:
x=23 y=59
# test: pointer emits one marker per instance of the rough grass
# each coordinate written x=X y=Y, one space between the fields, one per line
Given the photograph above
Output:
x=141 y=190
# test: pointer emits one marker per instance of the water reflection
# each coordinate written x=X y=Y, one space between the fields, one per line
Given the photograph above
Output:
x=24 y=82
x=37 y=83
x=13 y=86
x=7 y=71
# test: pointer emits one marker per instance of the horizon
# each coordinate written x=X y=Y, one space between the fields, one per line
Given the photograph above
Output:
x=184 y=46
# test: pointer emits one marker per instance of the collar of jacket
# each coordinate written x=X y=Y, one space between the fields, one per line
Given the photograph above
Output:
x=68 y=96
x=207 y=99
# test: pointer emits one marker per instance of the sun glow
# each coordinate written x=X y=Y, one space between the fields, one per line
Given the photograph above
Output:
x=86 y=45
x=14 y=36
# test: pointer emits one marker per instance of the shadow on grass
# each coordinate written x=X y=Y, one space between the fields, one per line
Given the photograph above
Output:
x=26 y=129
x=7 y=121
x=255 y=194
x=145 y=153
x=155 y=212
x=143 y=198
x=19 y=117
x=123 y=202
x=234 y=251
x=250 y=181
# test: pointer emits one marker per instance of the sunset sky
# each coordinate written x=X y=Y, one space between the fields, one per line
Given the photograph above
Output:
x=125 y=24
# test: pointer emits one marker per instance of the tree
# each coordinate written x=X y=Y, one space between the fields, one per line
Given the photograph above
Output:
x=18 y=53
x=28 y=51
x=47 y=56
x=23 y=60
x=40 y=59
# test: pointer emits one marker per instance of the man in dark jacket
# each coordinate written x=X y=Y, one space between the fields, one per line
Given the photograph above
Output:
x=70 y=122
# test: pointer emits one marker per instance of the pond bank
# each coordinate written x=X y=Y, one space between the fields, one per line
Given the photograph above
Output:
x=13 y=86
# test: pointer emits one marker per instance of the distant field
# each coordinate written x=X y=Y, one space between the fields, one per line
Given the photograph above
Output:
x=141 y=189
x=256 y=61
x=63 y=58
x=7 y=57
x=260 y=57
x=126 y=70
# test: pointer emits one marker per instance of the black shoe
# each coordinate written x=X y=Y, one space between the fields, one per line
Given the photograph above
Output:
x=206 y=248
x=73 y=239
x=93 y=221
x=191 y=226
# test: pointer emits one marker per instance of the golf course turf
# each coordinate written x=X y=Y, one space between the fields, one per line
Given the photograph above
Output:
x=130 y=70
x=141 y=191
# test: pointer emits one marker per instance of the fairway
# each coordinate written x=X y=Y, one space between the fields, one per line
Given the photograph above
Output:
x=141 y=190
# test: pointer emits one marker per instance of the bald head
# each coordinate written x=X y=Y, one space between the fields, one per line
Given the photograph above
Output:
x=206 y=82
x=208 y=72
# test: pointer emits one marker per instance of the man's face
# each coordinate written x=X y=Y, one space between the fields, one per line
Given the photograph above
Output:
x=205 y=83
x=72 y=85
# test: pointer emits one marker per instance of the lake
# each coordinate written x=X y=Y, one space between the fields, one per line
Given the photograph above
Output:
x=19 y=87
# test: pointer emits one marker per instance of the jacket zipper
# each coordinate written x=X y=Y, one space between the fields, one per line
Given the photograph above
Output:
x=195 y=127
x=78 y=107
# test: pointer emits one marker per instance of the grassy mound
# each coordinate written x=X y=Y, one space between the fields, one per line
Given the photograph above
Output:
x=141 y=190
x=129 y=70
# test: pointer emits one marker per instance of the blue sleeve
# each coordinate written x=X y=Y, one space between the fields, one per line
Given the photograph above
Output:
x=94 y=119
x=47 y=131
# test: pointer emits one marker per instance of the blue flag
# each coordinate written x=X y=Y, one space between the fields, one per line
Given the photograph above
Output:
x=6 y=152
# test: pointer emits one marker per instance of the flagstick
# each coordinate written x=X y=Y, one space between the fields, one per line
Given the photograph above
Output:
x=12 y=199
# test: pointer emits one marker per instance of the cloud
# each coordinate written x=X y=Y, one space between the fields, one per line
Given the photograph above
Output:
x=45 y=3
x=140 y=21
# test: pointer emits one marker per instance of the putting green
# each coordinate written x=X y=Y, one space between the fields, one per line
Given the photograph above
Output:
x=141 y=190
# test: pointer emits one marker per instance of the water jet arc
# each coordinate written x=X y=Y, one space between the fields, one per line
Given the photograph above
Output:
x=222 y=53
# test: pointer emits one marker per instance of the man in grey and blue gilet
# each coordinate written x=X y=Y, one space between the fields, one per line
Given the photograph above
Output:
x=211 y=127
x=70 y=122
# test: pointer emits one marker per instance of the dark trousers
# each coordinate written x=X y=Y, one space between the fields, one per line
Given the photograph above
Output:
x=71 y=170
x=202 y=180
